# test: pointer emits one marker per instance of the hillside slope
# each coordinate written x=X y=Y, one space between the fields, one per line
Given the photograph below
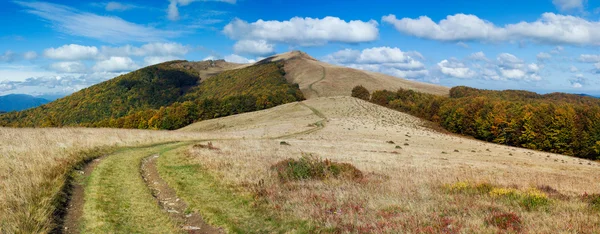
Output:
x=320 y=79
x=164 y=96
x=17 y=102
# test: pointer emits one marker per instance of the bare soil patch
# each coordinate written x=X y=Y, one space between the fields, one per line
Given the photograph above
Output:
x=75 y=205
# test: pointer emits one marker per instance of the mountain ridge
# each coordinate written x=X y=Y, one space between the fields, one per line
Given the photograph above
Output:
x=18 y=102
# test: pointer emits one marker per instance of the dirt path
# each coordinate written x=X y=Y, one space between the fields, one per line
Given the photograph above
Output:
x=170 y=203
x=317 y=126
x=310 y=86
x=75 y=207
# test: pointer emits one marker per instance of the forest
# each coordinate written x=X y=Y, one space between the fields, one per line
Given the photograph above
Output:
x=556 y=122
x=163 y=97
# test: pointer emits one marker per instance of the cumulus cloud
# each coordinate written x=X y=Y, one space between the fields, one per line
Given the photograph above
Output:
x=8 y=56
x=589 y=58
x=117 y=6
x=478 y=56
x=115 y=64
x=151 y=60
x=462 y=44
x=234 y=58
x=150 y=49
x=304 y=31
x=173 y=9
x=459 y=27
x=62 y=84
x=104 y=28
x=251 y=47
x=75 y=52
x=568 y=5
x=392 y=61
x=30 y=55
x=68 y=67
x=578 y=81
x=512 y=67
x=543 y=56
x=456 y=69
x=505 y=67
x=573 y=69
x=550 y=28
x=72 y=52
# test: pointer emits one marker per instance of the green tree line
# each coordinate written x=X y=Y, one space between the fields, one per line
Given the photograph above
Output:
x=557 y=122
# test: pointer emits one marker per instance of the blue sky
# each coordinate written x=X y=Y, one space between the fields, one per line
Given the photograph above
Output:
x=58 y=47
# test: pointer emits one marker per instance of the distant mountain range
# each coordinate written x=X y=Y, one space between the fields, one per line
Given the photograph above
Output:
x=18 y=102
x=587 y=95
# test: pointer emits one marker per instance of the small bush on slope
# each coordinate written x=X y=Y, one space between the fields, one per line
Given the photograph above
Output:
x=309 y=167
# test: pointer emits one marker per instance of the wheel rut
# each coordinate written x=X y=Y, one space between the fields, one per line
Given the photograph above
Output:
x=167 y=199
x=76 y=201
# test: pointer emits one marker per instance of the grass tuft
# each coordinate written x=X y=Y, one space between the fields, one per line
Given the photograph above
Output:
x=534 y=199
x=309 y=167
x=593 y=200
x=505 y=221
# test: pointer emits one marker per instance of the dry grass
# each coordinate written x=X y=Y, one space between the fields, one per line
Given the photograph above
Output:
x=34 y=164
x=405 y=190
x=339 y=81
x=402 y=189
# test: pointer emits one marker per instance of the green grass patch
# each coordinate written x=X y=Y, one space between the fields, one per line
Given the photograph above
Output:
x=469 y=188
x=219 y=204
x=531 y=199
x=117 y=199
x=309 y=167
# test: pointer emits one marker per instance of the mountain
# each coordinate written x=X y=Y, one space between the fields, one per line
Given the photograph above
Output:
x=587 y=95
x=17 y=102
x=320 y=79
x=174 y=94
x=166 y=96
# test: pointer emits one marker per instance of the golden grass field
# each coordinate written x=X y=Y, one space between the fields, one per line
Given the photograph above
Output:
x=425 y=181
x=35 y=162
x=419 y=188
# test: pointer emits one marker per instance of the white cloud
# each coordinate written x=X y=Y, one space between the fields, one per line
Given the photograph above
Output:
x=8 y=56
x=72 y=52
x=543 y=56
x=512 y=67
x=578 y=81
x=567 y=5
x=234 y=58
x=105 y=28
x=115 y=64
x=251 y=47
x=117 y=6
x=549 y=28
x=30 y=55
x=68 y=67
x=478 y=56
x=455 y=69
x=589 y=58
x=150 y=49
x=557 y=50
x=573 y=69
x=462 y=44
x=304 y=31
x=459 y=27
x=173 y=9
x=392 y=61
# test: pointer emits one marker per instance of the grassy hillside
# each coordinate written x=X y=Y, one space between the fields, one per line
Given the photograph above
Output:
x=556 y=122
x=163 y=97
